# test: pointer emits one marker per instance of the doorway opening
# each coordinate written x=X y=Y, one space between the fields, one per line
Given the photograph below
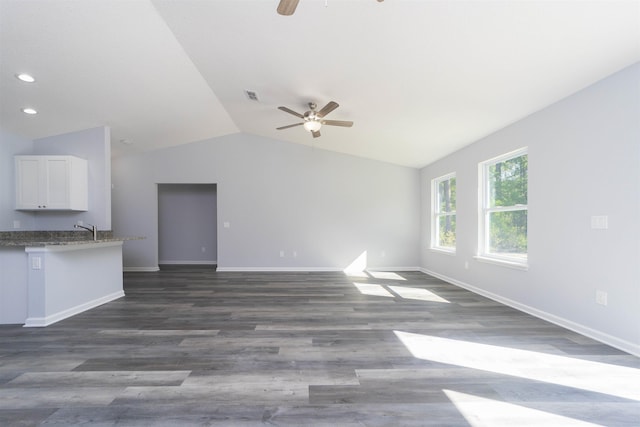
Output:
x=187 y=226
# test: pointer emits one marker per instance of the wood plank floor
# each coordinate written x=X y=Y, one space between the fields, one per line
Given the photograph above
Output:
x=197 y=347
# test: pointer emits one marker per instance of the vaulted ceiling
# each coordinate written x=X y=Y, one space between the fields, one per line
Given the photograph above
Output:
x=420 y=79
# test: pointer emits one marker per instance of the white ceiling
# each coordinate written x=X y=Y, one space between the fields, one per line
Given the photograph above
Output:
x=420 y=79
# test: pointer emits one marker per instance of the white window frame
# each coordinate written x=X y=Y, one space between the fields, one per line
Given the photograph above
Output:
x=485 y=211
x=436 y=215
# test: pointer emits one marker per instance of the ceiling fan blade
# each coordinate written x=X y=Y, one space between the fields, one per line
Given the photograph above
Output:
x=327 y=109
x=289 y=126
x=343 y=123
x=315 y=133
x=287 y=7
x=290 y=111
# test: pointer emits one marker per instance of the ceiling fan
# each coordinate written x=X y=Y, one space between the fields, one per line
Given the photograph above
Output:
x=313 y=120
x=287 y=7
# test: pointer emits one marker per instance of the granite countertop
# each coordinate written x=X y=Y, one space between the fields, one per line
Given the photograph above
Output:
x=47 y=238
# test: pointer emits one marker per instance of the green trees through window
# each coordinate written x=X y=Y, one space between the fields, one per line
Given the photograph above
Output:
x=444 y=212
x=502 y=235
x=505 y=206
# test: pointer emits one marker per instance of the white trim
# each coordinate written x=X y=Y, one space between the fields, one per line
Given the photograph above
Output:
x=140 y=269
x=36 y=322
x=484 y=210
x=504 y=262
x=435 y=212
x=443 y=250
x=393 y=269
x=277 y=269
x=308 y=269
x=506 y=156
x=602 y=337
x=188 y=262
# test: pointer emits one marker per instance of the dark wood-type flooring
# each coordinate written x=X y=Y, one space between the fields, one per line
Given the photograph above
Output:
x=198 y=347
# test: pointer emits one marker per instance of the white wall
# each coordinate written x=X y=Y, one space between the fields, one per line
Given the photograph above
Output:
x=12 y=145
x=584 y=160
x=327 y=207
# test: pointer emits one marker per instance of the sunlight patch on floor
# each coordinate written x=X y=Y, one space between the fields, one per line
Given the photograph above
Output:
x=357 y=267
x=373 y=290
x=566 y=371
x=385 y=275
x=419 y=294
x=480 y=411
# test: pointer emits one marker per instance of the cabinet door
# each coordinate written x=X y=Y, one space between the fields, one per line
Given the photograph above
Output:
x=56 y=194
x=28 y=182
x=51 y=182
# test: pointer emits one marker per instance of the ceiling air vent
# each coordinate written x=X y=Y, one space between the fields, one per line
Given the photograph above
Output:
x=251 y=95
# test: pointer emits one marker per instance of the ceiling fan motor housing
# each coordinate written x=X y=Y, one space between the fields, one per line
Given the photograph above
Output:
x=310 y=115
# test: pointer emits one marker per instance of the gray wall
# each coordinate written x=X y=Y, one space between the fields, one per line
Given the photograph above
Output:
x=327 y=207
x=94 y=145
x=584 y=160
x=187 y=224
x=91 y=144
x=12 y=145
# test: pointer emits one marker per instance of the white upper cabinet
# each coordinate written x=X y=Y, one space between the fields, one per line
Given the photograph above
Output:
x=51 y=183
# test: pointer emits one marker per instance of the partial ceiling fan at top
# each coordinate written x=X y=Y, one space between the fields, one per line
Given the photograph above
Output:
x=288 y=7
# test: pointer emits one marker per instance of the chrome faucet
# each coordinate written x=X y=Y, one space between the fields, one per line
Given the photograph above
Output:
x=93 y=230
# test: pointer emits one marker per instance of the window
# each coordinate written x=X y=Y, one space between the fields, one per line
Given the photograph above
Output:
x=443 y=216
x=503 y=205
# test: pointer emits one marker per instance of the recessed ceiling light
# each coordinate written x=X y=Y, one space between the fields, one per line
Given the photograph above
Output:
x=28 y=110
x=28 y=78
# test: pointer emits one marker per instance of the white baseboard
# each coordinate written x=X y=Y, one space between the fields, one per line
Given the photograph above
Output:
x=308 y=269
x=393 y=269
x=276 y=269
x=37 y=322
x=616 y=342
x=140 y=269
x=188 y=262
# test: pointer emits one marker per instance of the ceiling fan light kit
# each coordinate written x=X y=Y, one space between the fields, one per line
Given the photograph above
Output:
x=313 y=120
x=312 y=125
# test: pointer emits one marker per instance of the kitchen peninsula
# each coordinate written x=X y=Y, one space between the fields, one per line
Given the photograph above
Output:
x=46 y=277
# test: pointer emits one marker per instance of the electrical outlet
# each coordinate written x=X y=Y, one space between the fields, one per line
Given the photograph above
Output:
x=295 y=254
x=281 y=254
x=36 y=263
x=601 y=297
x=466 y=265
x=226 y=224
x=16 y=223
x=203 y=249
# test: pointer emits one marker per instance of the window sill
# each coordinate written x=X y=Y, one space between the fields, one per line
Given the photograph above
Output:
x=451 y=252
x=503 y=262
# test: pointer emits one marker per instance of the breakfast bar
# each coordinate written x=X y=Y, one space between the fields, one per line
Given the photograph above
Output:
x=47 y=279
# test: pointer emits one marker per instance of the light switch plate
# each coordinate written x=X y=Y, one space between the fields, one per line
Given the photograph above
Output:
x=600 y=222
